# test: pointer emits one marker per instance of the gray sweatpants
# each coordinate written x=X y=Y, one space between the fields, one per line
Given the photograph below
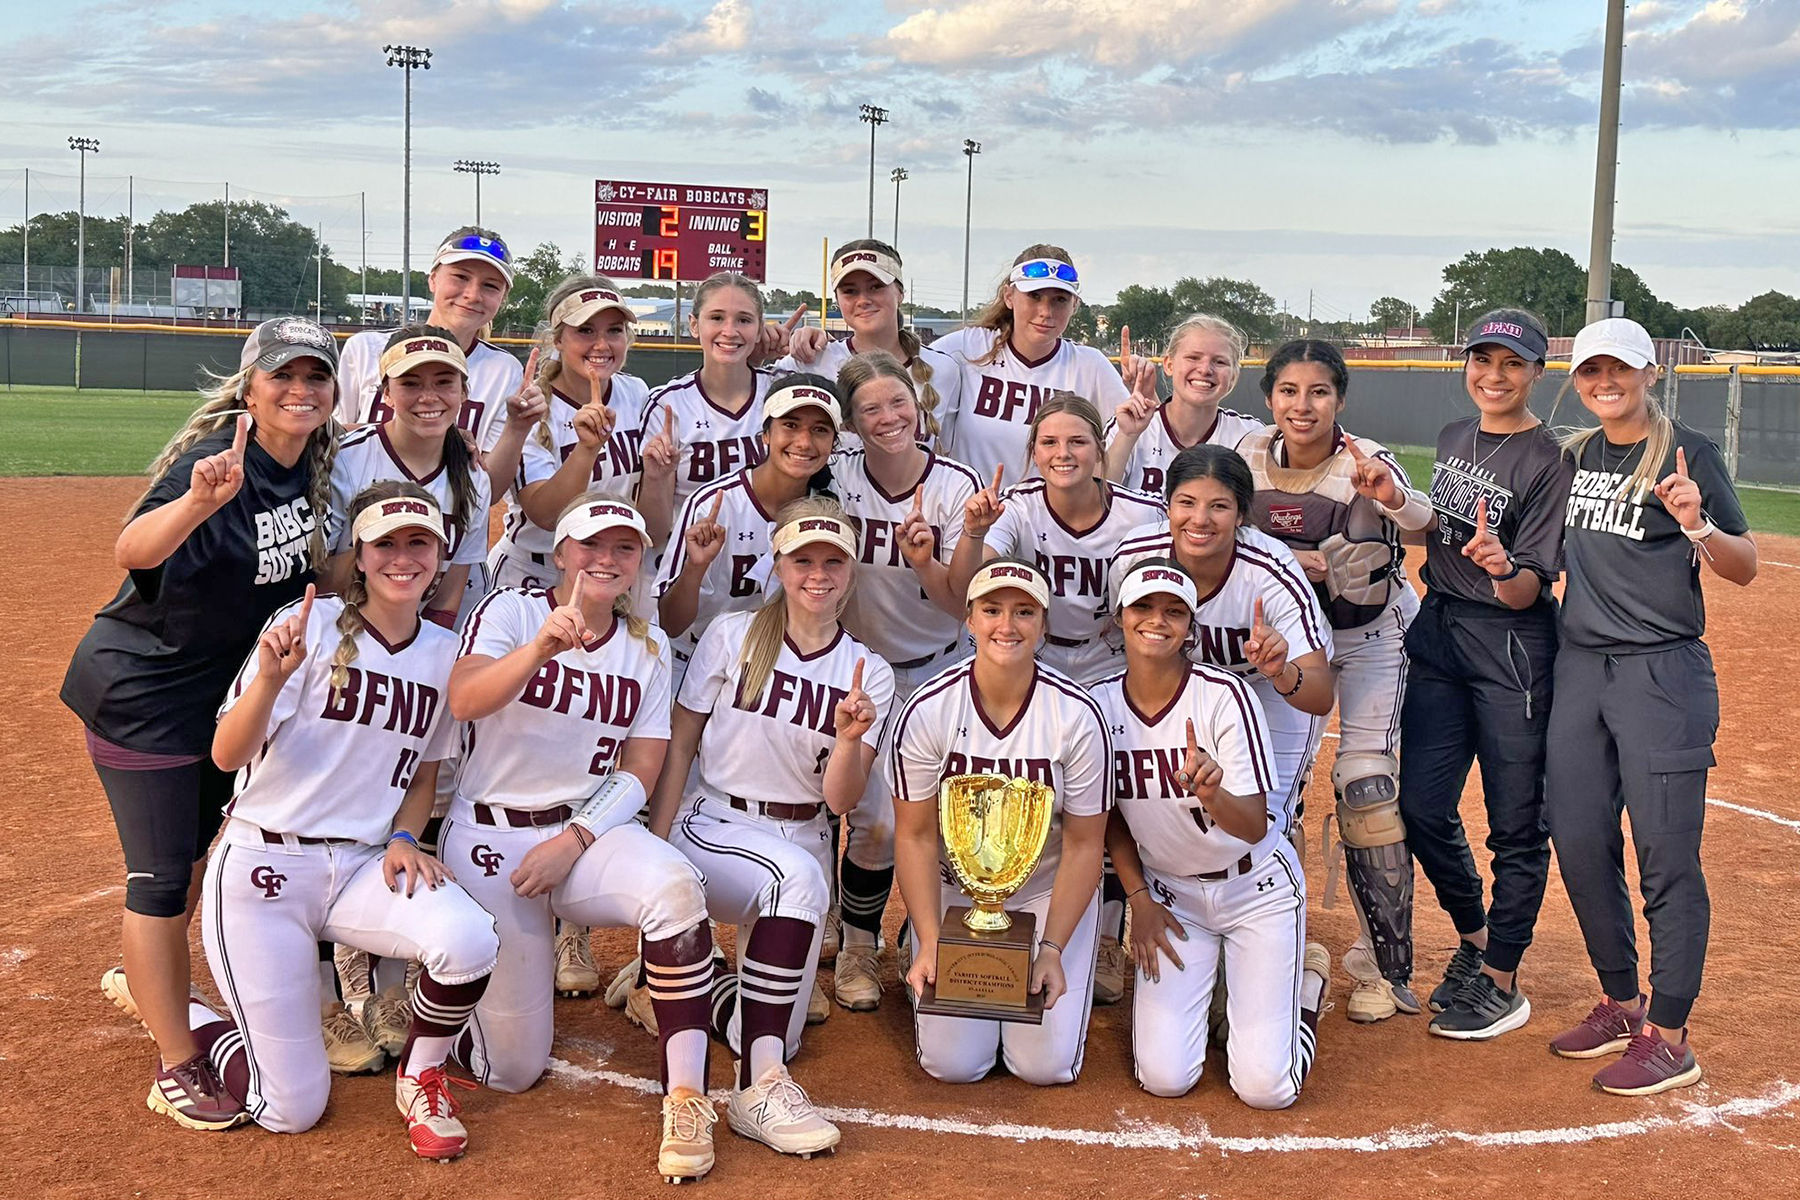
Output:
x=1635 y=732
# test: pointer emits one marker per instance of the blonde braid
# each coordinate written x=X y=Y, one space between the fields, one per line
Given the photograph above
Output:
x=350 y=624
x=321 y=454
x=921 y=373
x=635 y=625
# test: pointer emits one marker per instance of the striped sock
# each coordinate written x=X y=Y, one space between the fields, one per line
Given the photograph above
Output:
x=679 y=974
x=440 y=1010
x=865 y=892
x=770 y=971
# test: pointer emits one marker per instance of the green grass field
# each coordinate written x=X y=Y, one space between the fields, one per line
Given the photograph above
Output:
x=60 y=431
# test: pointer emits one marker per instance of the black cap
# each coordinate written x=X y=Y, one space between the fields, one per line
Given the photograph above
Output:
x=1514 y=335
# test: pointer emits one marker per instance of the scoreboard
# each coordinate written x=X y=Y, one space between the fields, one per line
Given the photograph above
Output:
x=678 y=231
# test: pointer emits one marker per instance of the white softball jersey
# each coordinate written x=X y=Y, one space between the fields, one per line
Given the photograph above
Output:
x=947 y=379
x=710 y=443
x=776 y=750
x=1000 y=397
x=1057 y=737
x=337 y=764
x=733 y=581
x=888 y=610
x=494 y=374
x=1157 y=446
x=564 y=732
x=617 y=469
x=365 y=456
x=1175 y=836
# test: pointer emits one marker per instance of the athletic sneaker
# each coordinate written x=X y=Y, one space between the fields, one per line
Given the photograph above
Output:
x=777 y=1112
x=855 y=981
x=430 y=1110
x=1465 y=964
x=622 y=983
x=1374 y=998
x=355 y=972
x=348 y=1047
x=1650 y=1065
x=389 y=1018
x=1481 y=1010
x=1110 y=966
x=687 y=1136
x=818 y=1005
x=191 y=1095
x=640 y=1010
x=576 y=974
x=116 y=989
x=1607 y=1029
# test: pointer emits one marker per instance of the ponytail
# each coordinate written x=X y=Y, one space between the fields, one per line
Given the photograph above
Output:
x=924 y=390
x=350 y=624
x=768 y=628
x=459 y=464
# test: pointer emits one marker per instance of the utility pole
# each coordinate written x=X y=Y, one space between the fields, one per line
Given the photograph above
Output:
x=363 y=308
x=83 y=146
x=970 y=150
x=407 y=58
x=25 y=284
x=875 y=117
x=1606 y=167
x=228 y=224
x=477 y=169
x=899 y=176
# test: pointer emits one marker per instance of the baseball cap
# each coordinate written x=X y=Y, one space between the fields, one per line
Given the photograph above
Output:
x=1036 y=274
x=1155 y=578
x=476 y=247
x=997 y=576
x=400 y=512
x=803 y=391
x=411 y=352
x=884 y=267
x=804 y=531
x=1523 y=340
x=577 y=308
x=586 y=519
x=283 y=340
x=1621 y=337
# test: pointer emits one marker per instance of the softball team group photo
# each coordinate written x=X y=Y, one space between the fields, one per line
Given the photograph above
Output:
x=735 y=631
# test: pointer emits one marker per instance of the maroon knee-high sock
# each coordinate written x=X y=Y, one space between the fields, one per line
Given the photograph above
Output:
x=440 y=1010
x=679 y=974
x=770 y=971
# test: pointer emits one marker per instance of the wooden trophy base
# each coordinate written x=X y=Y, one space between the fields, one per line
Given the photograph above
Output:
x=984 y=975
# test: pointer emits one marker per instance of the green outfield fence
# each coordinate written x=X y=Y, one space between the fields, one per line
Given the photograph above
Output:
x=1752 y=412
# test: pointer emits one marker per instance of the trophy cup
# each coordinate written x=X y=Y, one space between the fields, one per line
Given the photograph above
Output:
x=994 y=829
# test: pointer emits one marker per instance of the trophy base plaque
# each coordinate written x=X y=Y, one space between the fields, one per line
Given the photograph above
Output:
x=984 y=975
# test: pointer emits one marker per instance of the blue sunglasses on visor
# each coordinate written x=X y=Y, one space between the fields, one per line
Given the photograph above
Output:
x=1047 y=269
x=494 y=248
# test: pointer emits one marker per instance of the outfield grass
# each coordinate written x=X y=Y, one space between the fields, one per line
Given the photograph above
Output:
x=60 y=431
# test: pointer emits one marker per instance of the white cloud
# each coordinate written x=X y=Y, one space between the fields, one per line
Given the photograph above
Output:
x=725 y=29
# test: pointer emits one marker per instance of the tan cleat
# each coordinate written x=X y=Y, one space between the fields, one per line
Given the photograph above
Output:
x=622 y=983
x=777 y=1112
x=855 y=981
x=576 y=974
x=687 y=1136
x=348 y=1047
x=641 y=1010
x=1373 y=998
x=389 y=1019
x=1110 y=966
x=818 y=1008
x=116 y=989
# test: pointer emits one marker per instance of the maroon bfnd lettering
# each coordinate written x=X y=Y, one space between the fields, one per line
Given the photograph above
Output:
x=1152 y=481
x=1073 y=575
x=611 y=699
x=419 y=345
x=623 y=455
x=1147 y=774
x=404 y=706
x=395 y=508
x=1002 y=399
x=1035 y=769
x=714 y=460
x=803 y=702
x=881 y=542
x=742 y=582
x=1221 y=647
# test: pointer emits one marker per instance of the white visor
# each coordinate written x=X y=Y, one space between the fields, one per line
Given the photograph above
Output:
x=998 y=575
x=401 y=512
x=806 y=530
x=1152 y=579
x=787 y=398
x=586 y=519
x=883 y=267
x=578 y=308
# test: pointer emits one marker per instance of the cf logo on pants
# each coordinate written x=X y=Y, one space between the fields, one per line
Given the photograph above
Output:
x=487 y=858
x=269 y=880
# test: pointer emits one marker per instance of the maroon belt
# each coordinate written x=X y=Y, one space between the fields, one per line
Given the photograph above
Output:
x=781 y=812
x=521 y=818
x=1066 y=643
x=1237 y=868
x=277 y=839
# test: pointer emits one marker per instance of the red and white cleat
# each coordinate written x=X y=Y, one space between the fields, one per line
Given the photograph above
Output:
x=430 y=1108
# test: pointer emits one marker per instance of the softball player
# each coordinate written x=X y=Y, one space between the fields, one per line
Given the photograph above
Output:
x=470 y=276
x=1203 y=857
x=1006 y=713
x=1146 y=434
x=1341 y=503
x=866 y=279
x=909 y=502
x=565 y=699
x=772 y=717
x=1637 y=705
x=231 y=527
x=337 y=722
x=591 y=435
x=1016 y=357
x=711 y=416
x=427 y=378
x=1478 y=677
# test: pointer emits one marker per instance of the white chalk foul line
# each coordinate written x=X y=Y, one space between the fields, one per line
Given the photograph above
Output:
x=1150 y=1135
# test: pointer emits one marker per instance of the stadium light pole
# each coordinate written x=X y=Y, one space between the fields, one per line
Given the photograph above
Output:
x=1606 y=167
x=899 y=176
x=477 y=169
x=875 y=117
x=83 y=146
x=407 y=58
x=970 y=150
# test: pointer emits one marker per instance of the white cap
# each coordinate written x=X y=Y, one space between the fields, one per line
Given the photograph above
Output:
x=1620 y=337
x=999 y=575
x=578 y=308
x=796 y=392
x=884 y=267
x=403 y=356
x=1152 y=578
x=588 y=518
x=804 y=531
x=400 y=512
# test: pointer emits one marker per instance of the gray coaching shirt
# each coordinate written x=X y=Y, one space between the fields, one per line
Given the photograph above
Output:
x=1634 y=578
x=1524 y=477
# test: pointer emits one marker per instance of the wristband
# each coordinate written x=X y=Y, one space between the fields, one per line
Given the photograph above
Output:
x=1299 y=678
x=1701 y=534
x=1136 y=892
x=1042 y=942
x=400 y=835
x=1513 y=569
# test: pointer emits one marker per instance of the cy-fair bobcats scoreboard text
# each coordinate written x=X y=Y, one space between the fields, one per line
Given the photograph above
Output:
x=679 y=231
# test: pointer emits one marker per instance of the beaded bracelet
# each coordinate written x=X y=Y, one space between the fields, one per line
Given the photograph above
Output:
x=1047 y=942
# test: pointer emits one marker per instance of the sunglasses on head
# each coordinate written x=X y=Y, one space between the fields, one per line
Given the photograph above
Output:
x=1047 y=268
x=494 y=248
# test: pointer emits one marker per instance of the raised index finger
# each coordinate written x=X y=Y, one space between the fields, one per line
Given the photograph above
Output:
x=718 y=498
x=1124 y=343
x=918 y=501
x=306 y=606
x=1481 y=522
x=531 y=369
x=1355 y=450
x=1256 y=614
x=999 y=470
x=1681 y=462
x=793 y=322
x=856 y=677
x=243 y=435
x=575 y=589
x=1193 y=742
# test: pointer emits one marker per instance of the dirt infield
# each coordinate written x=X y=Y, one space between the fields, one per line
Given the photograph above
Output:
x=1388 y=1111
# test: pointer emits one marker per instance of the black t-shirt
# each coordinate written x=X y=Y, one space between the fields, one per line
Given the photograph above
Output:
x=1634 y=577
x=1524 y=477
x=154 y=665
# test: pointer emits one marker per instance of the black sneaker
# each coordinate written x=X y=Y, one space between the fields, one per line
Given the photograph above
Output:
x=1480 y=1010
x=1465 y=964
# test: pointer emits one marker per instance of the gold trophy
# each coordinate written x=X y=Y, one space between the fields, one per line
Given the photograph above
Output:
x=994 y=829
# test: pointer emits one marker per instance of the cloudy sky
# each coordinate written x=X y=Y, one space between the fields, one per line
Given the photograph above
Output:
x=1346 y=148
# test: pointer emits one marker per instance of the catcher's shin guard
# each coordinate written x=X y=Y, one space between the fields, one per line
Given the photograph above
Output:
x=1375 y=856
